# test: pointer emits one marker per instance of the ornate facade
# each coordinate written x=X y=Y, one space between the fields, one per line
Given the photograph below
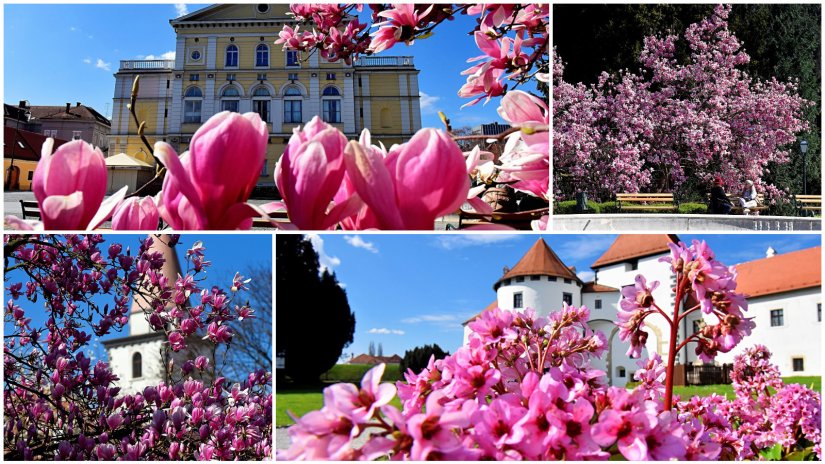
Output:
x=226 y=60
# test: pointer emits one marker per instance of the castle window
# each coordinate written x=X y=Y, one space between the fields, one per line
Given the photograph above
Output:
x=520 y=279
x=819 y=312
x=567 y=298
x=535 y=278
x=777 y=318
x=597 y=304
x=293 y=105
x=518 y=300
x=260 y=102
x=551 y=279
x=137 y=366
x=621 y=372
x=232 y=56
x=798 y=364
x=192 y=101
x=230 y=99
x=292 y=58
x=568 y=281
x=262 y=56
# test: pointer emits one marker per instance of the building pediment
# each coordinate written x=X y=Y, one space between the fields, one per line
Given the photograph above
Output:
x=229 y=13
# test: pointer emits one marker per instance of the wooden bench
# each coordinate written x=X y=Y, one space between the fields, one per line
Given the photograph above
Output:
x=30 y=209
x=520 y=220
x=646 y=202
x=736 y=209
x=277 y=216
x=808 y=204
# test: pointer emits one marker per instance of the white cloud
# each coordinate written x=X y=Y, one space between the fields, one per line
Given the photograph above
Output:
x=450 y=242
x=181 y=9
x=429 y=318
x=428 y=102
x=327 y=262
x=73 y=29
x=583 y=247
x=103 y=65
x=586 y=276
x=385 y=331
x=358 y=242
x=87 y=60
x=170 y=55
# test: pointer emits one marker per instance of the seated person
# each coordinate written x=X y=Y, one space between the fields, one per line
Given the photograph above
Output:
x=748 y=198
x=719 y=202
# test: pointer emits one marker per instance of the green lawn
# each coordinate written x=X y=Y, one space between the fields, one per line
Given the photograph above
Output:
x=727 y=390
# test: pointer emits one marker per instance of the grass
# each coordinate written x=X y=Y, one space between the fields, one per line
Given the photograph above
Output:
x=727 y=390
x=302 y=399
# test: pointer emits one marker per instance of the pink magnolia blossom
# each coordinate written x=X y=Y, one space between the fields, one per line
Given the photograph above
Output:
x=136 y=214
x=402 y=21
x=207 y=187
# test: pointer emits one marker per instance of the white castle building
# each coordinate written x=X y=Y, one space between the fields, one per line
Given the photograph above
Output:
x=141 y=359
x=783 y=292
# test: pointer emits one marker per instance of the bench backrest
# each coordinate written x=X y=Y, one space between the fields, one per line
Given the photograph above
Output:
x=30 y=209
x=667 y=197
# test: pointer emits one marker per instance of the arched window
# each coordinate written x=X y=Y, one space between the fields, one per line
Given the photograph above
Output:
x=260 y=102
x=385 y=117
x=192 y=100
x=137 y=366
x=231 y=56
x=230 y=99
x=293 y=105
x=331 y=102
x=262 y=56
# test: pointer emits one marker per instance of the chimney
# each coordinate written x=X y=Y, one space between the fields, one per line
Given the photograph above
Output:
x=68 y=107
x=770 y=253
x=77 y=105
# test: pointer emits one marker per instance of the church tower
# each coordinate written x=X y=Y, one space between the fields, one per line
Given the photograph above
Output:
x=140 y=359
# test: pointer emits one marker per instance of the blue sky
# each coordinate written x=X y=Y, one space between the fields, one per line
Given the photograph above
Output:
x=62 y=53
x=228 y=254
x=411 y=290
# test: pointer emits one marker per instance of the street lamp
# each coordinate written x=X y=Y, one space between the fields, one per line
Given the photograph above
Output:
x=803 y=147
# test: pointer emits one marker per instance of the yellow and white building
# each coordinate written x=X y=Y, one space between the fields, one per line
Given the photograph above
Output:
x=226 y=59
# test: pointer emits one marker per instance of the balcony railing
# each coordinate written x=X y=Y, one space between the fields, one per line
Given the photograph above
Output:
x=146 y=64
x=397 y=61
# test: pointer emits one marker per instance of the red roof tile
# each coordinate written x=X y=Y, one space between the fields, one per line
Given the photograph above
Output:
x=539 y=260
x=24 y=145
x=592 y=287
x=631 y=246
x=781 y=273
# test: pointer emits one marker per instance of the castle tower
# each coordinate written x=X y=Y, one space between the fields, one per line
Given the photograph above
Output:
x=140 y=359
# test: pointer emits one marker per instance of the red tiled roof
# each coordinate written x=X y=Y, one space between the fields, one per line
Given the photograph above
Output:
x=539 y=260
x=630 y=246
x=75 y=113
x=593 y=287
x=781 y=273
x=492 y=305
x=24 y=145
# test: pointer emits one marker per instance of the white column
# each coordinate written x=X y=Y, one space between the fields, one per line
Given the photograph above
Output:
x=209 y=99
x=313 y=101
x=176 y=112
x=210 y=52
x=413 y=84
x=245 y=105
x=277 y=115
x=402 y=85
x=365 y=84
x=313 y=60
x=180 y=52
x=368 y=114
x=348 y=110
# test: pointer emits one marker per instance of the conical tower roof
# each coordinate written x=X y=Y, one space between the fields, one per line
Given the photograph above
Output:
x=540 y=259
x=171 y=265
x=633 y=246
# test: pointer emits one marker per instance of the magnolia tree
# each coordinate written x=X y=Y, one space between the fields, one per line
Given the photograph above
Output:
x=523 y=387
x=60 y=404
x=326 y=181
x=654 y=129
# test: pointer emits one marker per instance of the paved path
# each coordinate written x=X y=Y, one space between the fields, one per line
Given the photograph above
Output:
x=671 y=222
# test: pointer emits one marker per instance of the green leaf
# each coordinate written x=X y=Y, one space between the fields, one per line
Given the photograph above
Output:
x=806 y=454
x=772 y=454
x=617 y=457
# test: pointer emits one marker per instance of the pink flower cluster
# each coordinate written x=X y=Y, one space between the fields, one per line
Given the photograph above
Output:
x=60 y=404
x=523 y=388
x=205 y=188
x=654 y=129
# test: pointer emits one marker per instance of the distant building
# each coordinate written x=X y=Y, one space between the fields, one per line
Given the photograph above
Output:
x=78 y=122
x=373 y=360
x=783 y=292
x=226 y=60
x=491 y=129
x=21 y=153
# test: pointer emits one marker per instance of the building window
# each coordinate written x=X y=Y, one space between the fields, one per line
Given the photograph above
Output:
x=293 y=105
x=332 y=111
x=777 y=318
x=230 y=99
x=567 y=281
x=535 y=278
x=330 y=76
x=263 y=170
x=137 y=366
x=798 y=364
x=192 y=100
x=76 y=135
x=232 y=56
x=230 y=77
x=293 y=76
x=621 y=372
x=551 y=279
x=520 y=279
x=31 y=175
x=50 y=133
x=262 y=56
x=567 y=298
x=260 y=102
x=597 y=304
x=262 y=76
x=292 y=58
x=518 y=300
x=194 y=77
x=819 y=312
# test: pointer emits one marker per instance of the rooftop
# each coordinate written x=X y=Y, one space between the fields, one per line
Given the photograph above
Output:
x=67 y=112
x=539 y=260
x=24 y=145
x=780 y=273
x=633 y=246
x=593 y=287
